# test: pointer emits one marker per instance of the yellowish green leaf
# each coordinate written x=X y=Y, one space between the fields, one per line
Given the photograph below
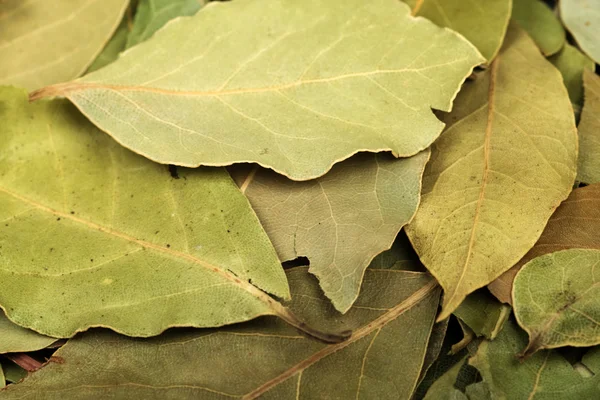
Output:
x=582 y=19
x=571 y=63
x=271 y=81
x=504 y=163
x=483 y=314
x=47 y=42
x=556 y=298
x=589 y=131
x=391 y=321
x=340 y=221
x=14 y=339
x=541 y=24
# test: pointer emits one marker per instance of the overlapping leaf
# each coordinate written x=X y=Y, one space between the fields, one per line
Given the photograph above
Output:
x=391 y=321
x=13 y=338
x=263 y=81
x=541 y=24
x=341 y=220
x=497 y=173
x=571 y=63
x=483 y=314
x=34 y=49
x=582 y=19
x=589 y=131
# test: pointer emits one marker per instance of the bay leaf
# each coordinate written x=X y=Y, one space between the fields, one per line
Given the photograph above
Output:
x=340 y=221
x=400 y=256
x=391 y=322
x=582 y=19
x=443 y=388
x=504 y=163
x=483 y=22
x=478 y=391
x=2 y=379
x=575 y=224
x=12 y=372
x=47 y=42
x=589 y=131
x=270 y=81
x=113 y=48
x=114 y=241
x=556 y=298
x=591 y=359
x=483 y=314
x=14 y=338
x=545 y=375
x=571 y=63
x=540 y=22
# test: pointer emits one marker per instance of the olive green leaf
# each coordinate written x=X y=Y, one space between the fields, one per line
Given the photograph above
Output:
x=483 y=314
x=113 y=48
x=591 y=360
x=340 y=221
x=556 y=298
x=589 y=131
x=14 y=339
x=12 y=372
x=504 y=163
x=545 y=375
x=443 y=388
x=47 y=42
x=575 y=224
x=2 y=379
x=400 y=256
x=478 y=391
x=391 y=322
x=541 y=24
x=571 y=63
x=281 y=83
x=582 y=19
x=112 y=240
x=483 y=22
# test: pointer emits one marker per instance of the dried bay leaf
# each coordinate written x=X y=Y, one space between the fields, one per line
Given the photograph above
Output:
x=556 y=298
x=589 y=131
x=575 y=224
x=34 y=47
x=443 y=388
x=483 y=22
x=544 y=376
x=502 y=166
x=340 y=221
x=391 y=322
x=114 y=241
x=270 y=81
x=541 y=24
x=483 y=314
x=14 y=338
x=582 y=19
x=12 y=372
x=113 y=48
x=571 y=63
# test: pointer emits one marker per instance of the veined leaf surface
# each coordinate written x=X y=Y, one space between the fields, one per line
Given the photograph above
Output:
x=271 y=81
x=504 y=163
x=34 y=49
x=582 y=19
x=589 y=130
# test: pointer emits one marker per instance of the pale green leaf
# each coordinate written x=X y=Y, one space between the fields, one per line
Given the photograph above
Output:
x=582 y=19
x=589 y=131
x=14 y=339
x=544 y=376
x=340 y=221
x=47 y=42
x=504 y=163
x=571 y=63
x=443 y=388
x=112 y=240
x=483 y=22
x=556 y=298
x=541 y=24
x=391 y=321
x=483 y=314
x=281 y=83
x=113 y=48
x=574 y=225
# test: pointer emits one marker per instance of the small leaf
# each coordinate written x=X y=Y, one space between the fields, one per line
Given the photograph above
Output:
x=504 y=163
x=16 y=339
x=556 y=298
x=47 y=42
x=571 y=63
x=12 y=372
x=271 y=81
x=391 y=321
x=443 y=388
x=589 y=131
x=340 y=221
x=546 y=375
x=541 y=24
x=575 y=224
x=582 y=19
x=483 y=22
x=483 y=314
x=113 y=48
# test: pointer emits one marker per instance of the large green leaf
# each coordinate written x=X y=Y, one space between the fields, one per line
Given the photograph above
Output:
x=582 y=19
x=391 y=321
x=504 y=163
x=589 y=130
x=556 y=298
x=483 y=22
x=112 y=240
x=571 y=63
x=271 y=81
x=544 y=376
x=574 y=225
x=340 y=221
x=541 y=24
x=14 y=339
x=47 y=42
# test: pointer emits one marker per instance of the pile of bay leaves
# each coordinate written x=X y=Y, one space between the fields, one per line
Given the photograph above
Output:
x=300 y=199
